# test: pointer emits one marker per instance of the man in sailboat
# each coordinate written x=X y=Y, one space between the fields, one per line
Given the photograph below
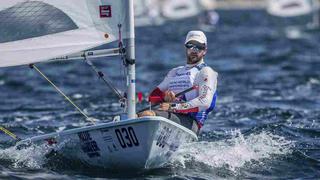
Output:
x=191 y=109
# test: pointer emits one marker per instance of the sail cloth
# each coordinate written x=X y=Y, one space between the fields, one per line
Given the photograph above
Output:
x=39 y=30
x=289 y=8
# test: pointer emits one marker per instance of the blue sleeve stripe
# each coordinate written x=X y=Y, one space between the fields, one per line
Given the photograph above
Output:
x=201 y=116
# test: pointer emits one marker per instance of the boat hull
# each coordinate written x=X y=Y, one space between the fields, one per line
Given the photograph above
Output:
x=142 y=143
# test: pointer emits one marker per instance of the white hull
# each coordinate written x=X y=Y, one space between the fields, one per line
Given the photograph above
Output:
x=142 y=143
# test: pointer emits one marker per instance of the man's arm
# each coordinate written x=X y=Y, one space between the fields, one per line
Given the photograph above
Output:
x=156 y=96
x=160 y=94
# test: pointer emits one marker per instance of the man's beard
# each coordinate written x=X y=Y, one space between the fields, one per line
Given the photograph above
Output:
x=193 y=59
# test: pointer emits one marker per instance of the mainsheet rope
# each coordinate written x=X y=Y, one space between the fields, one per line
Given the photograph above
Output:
x=11 y=134
x=32 y=66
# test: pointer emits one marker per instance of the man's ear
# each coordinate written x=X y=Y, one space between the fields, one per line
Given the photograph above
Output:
x=205 y=52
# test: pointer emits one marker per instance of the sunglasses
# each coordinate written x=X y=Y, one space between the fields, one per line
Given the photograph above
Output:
x=195 y=47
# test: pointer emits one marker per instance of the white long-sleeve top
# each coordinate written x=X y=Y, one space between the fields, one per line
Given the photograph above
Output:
x=199 y=102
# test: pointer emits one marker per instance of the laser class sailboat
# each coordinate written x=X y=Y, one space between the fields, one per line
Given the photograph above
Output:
x=286 y=9
x=35 y=31
x=158 y=12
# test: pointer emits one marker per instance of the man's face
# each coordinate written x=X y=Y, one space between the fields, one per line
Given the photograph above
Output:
x=195 y=51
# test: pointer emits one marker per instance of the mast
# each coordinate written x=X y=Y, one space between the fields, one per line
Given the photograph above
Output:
x=130 y=60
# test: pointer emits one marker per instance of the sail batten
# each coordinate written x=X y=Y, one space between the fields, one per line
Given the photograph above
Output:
x=40 y=30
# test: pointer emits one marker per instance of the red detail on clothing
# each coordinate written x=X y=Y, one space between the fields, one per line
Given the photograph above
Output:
x=51 y=141
x=199 y=125
x=156 y=96
x=185 y=111
x=140 y=97
x=105 y=11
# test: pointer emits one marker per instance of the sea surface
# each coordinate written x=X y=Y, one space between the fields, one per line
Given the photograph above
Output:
x=266 y=124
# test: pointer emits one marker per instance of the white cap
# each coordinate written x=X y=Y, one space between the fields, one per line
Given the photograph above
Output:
x=196 y=36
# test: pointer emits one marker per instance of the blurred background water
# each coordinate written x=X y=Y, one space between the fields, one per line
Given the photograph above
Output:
x=265 y=125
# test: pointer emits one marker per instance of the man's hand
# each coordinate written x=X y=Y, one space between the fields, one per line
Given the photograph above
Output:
x=164 y=106
x=146 y=113
x=169 y=96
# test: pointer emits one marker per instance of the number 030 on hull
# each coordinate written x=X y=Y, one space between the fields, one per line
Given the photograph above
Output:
x=143 y=143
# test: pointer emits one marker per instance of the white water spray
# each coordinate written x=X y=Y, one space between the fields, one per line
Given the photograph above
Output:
x=234 y=153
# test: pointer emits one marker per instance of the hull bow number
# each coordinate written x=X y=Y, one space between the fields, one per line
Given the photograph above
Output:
x=127 y=137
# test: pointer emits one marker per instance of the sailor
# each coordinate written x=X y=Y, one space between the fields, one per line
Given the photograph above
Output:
x=191 y=109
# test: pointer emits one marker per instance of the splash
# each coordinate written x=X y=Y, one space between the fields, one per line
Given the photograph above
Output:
x=234 y=153
x=32 y=157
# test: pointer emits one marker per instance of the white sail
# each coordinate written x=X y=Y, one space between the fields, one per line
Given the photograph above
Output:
x=289 y=8
x=38 y=30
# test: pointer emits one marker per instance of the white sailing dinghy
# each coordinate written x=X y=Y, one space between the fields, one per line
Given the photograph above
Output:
x=158 y=12
x=289 y=8
x=34 y=31
x=296 y=8
x=148 y=13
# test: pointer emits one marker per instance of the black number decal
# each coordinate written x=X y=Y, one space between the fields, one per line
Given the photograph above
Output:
x=124 y=130
x=133 y=136
x=120 y=138
x=127 y=137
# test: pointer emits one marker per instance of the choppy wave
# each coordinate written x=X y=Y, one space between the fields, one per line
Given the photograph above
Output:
x=236 y=152
x=32 y=157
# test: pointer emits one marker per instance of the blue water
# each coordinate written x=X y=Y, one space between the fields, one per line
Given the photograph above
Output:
x=265 y=125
